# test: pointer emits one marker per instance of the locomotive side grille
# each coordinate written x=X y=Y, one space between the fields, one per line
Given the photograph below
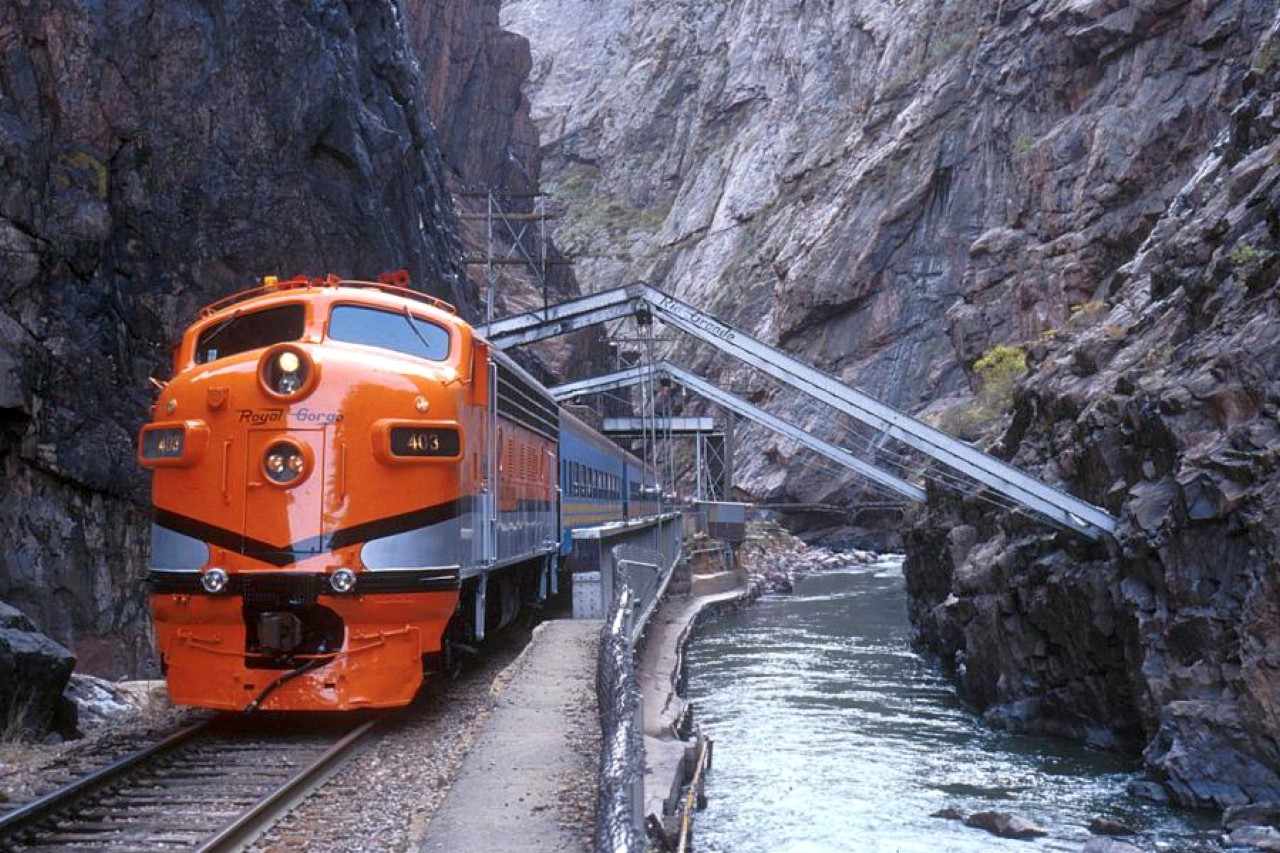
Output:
x=525 y=404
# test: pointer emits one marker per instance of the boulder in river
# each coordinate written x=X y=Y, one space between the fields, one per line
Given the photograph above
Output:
x=1108 y=826
x=1257 y=814
x=1005 y=825
x=1109 y=845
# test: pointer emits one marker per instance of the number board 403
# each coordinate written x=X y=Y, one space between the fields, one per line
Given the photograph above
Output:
x=424 y=441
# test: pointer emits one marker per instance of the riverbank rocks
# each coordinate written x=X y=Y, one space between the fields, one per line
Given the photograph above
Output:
x=1256 y=837
x=101 y=703
x=775 y=559
x=1109 y=845
x=1005 y=825
x=33 y=673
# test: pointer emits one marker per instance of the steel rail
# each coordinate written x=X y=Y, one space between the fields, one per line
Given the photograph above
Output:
x=54 y=801
x=236 y=835
x=253 y=823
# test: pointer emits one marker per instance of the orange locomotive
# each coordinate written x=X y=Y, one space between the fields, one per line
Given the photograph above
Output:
x=340 y=469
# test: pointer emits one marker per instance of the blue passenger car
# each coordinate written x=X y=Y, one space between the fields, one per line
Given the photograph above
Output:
x=599 y=481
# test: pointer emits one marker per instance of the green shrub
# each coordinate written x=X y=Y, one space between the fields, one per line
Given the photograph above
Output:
x=1247 y=253
x=1000 y=368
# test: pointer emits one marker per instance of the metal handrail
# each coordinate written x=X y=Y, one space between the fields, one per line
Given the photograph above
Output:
x=398 y=287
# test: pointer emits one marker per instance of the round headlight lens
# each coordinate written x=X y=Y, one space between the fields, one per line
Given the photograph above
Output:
x=214 y=580
x=286 y=372
x=284 y=462
x=343 y=581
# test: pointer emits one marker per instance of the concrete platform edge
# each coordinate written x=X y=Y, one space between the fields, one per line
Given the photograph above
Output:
x=669 y=757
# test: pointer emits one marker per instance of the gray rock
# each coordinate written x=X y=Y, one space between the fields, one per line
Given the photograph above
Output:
x=1145 y=789
x=98 y=700
x=1109 y=845
x=1257 y=837
x=1005 y=825
x=1109 y=826
x=1254 y=814
x=33 y=672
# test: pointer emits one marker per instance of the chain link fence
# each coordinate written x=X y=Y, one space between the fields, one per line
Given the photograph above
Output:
x=620 y=802
x=641 y=576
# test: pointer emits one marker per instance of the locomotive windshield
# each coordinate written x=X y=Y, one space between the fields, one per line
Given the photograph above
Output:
x=242 y=332
x=391 y=330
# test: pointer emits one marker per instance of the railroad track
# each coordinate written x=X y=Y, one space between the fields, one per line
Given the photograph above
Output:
x=214 y=786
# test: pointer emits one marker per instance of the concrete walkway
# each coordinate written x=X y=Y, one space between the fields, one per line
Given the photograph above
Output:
x=668 y=757
x=528 y=758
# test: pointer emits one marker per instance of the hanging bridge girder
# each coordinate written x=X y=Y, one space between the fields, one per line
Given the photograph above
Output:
x=642 y=299
x=662 y=426
x=644 y=373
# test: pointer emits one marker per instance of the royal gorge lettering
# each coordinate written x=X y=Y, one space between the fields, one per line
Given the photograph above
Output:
x=267 y=417
x=261 y=417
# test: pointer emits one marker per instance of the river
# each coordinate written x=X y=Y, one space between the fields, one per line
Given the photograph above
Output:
x=832 y=735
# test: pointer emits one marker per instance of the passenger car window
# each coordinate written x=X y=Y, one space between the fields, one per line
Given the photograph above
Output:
x=243 y=332
x=391 y=330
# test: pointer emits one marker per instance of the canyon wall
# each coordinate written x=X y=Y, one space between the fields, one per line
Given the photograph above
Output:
x=890 y=190
x=1166 y=410
x=156 y=156
x=886 y=189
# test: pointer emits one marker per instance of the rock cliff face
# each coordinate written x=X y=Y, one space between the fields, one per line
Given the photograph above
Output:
x=1165 y=410
x=886 y=189
x=889 y=190
x=474 y=71
x=156 y=156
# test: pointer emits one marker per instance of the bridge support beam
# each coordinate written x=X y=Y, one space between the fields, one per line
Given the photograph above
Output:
x=737 y=405
x=1020 y=487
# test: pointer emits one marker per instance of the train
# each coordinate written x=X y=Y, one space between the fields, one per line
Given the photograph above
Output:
x=350 y=488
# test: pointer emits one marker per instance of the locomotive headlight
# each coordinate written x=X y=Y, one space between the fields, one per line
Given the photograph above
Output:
x=284 y=463
x=343 y=581
x=286 y=372
x=214 y=580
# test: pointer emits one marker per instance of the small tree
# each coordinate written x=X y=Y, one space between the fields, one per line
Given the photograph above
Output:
x=1000 y=368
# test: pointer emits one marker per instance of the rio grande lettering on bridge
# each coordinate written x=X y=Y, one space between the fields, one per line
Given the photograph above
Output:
x=710 y=325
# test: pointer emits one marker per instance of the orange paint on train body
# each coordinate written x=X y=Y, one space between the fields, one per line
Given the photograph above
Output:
x=328 y=452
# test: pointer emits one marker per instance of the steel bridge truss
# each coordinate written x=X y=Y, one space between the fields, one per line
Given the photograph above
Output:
x=645 y=300
x=739 y=406
x=713 y=449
